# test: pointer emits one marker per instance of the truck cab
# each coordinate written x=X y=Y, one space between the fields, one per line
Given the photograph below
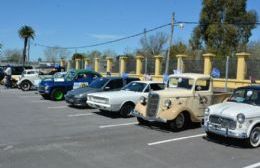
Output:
x=55 y=89
x=183 y=101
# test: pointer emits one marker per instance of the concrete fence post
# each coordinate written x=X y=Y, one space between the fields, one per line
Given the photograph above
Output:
x=208 y=58
x=77 y=64
x=139 y=64
x=86 y=62
x=158 y=62
x=241 y=65
x=69 y=65
x=97 y=64
x=109 y=64
x=123 y=64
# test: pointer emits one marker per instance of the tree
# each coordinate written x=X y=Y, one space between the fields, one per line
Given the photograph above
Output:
x=109 y=53
x=78 y=56
x=13 y=55
x=153 y=45
x=179 y=48
x=94 y=54
x=224 y=27
x=26 y=33
x=55 y=53
x=254 y=49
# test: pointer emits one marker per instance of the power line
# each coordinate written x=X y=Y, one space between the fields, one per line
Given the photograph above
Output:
x=177 y=23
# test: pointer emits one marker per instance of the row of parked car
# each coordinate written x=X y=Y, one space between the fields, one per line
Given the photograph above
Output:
x=184 y=99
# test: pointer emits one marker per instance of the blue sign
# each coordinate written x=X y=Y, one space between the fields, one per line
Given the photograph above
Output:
x=215 y=73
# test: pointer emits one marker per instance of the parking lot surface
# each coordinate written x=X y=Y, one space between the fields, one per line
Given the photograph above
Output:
x=37 y=133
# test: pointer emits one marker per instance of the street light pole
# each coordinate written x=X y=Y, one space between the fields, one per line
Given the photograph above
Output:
x=170 y=44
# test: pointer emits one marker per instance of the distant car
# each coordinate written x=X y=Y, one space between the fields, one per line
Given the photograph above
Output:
x=78 y=97
x=2 y=74
x=55 y=89
x=123 y=101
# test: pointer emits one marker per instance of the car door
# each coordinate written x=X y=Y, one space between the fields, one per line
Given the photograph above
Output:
x=202 y=97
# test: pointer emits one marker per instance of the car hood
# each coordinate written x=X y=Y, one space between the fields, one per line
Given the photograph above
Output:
x=174 y=92
x=83 y=90
x=232 y=109
x=122 y=94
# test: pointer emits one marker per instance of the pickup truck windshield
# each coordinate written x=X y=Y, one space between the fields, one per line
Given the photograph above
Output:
x=180 y=82
x=98 y=83
x=70 y=75
x=135 y=87
x=246 y=96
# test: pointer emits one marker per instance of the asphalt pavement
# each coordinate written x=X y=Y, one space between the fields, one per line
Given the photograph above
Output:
x=37 y=133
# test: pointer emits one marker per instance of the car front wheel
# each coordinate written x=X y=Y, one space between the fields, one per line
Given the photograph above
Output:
x=126 y=110
x=25 y=85
x=57 y=94
x=254 y=138
x=179 y=123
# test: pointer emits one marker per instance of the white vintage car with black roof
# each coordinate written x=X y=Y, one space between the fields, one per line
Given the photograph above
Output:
x=239 y=117
x=123 y=101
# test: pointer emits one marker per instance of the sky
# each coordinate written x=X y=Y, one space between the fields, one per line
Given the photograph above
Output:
x=68 y=23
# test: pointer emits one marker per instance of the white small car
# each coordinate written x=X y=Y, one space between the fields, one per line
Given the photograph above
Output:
x=26 y=81
x=239 y=117
x=123 y=101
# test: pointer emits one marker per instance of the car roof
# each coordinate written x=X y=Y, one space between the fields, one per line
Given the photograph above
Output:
x=88 y=71
x=254 y=87
x=149 y=82
x=119 y=77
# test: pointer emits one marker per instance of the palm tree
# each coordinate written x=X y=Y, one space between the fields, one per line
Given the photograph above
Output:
x=26 y=33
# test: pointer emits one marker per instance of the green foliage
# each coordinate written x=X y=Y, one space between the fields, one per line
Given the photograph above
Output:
x=13 y=55
x=225 y=27
x=254 y=49
x=179 y=48
x=78 y=56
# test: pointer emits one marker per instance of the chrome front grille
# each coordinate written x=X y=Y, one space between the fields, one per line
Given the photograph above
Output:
x=222 y=121
x=152 y=104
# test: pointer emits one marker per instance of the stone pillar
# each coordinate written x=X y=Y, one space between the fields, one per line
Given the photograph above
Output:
x=180 y=64
x=122 y=64
x=158 y=62
x=97 y=64
x=208 y=57
x=87 y=63
x=241 y=65
x=77 y=64
x=69 y=65
x=62 y=63
x=109 y=64
x=139 y=64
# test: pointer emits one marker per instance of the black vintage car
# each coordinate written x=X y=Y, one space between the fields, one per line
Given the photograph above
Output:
x=78 y=97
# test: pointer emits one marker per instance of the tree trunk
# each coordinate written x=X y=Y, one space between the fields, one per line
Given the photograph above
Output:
x=24 y=50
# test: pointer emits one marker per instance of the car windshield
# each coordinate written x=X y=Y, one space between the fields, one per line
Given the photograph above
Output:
x=248 y=96
x=180 y=82
x=70 y=75
x=135 y=87
x=98 y=83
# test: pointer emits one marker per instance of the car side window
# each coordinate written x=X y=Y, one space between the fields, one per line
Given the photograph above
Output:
x=156 y=86
x=202 y=85
x=115 y=84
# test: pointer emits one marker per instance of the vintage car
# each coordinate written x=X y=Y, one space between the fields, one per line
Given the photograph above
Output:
x=55 y=89
x=183 y=101
x=123 y=101
x=26 y=80
x=78 y=97
x=239 y=117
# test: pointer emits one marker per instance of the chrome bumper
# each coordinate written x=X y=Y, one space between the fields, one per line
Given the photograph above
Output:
x=226 y=132
x=151 y=119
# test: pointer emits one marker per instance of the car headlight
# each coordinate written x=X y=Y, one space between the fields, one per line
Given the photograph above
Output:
x=143 y=100
x=207 y=112
x=167 y=103
x=79 y=96
x=46 y=87
x=241 y=118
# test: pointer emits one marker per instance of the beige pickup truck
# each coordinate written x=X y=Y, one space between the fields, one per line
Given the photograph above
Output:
x=182 y=102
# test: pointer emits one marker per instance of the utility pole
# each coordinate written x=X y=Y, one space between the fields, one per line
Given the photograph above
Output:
x=170 y=43
x=145 y=60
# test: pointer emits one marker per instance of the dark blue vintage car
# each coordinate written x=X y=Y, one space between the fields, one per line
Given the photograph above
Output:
x=55 y=89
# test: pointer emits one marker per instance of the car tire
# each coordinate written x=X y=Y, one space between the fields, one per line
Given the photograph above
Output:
x=25 y=85
x=126 y=110
x=142 y=121
x=211 y=135
x=254 y=139
x=179 y=123
x=57 y=94
x=46 y=97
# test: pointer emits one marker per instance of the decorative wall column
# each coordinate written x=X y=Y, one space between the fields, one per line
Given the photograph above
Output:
x=123 y=64
x=86 y=62
x=109 y=64
x=97 y=64
x=241 y=65
x=180 y=64
x=77 y=64
x=158 y=63
x=139 y=64
x=208 y=57
x=69 y=65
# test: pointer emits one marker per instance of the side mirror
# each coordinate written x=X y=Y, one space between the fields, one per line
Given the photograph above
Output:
x=107 y=88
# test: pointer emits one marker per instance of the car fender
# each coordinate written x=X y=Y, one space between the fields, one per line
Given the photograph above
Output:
x=252 y=125
x=172 y=113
